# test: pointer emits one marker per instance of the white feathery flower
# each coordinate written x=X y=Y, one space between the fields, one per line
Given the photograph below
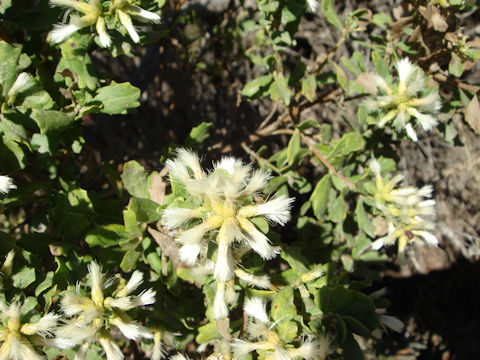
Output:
x=281 y=354
x=6 y=184
x=220 y=310
x=173 y=218
x=406 y=103
x=91 y=317
x=189 y=253
x=258 y=241
x=312 y=5
x=131 y=329
x=242 y=347
x=45 y=326
x=111 y=349
x=126 y=21
x=17 y=340
x=224 y=264
x=256 y=307
x=276 y=210
x=62 y=32
x=226 y=202
x=157 y=351
x=146 y=297
x=124 y=303
x=262 y=282
x=309 y=350
x=141 y=14
x=105 y=39
x=179 y=356
x=23 y=82
x=135 y=281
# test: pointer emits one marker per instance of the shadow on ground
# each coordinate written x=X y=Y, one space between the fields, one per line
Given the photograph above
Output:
x=440 y=310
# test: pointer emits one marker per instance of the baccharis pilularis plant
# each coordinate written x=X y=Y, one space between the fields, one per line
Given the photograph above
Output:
x=264 y=339
x=20 y=334
x=95 y=13
x=407 y=211
x=406 y=102
x=94 y=315
x=219 y=205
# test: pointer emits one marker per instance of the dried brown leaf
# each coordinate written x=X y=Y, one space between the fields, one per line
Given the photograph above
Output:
x=472 y=115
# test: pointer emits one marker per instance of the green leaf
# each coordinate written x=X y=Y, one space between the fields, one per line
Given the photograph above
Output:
x=129 y=260
x=283 y=306
x=24 y=277
x=198 y=134
x=45 y=284
x=309 y=87
x=207 y=333
x=381 y=66
x=362 y=218
x=155 y=262
x=260 y=223
x=257 y=86
x=8 y=66
x=307 y=124
x=293 y=148
x=75 y=58
x=328 y=9
x=118 y=98
x=274 y=184
x=295 y=259
x=52 y=122
x=348 y=303
x=348 y=143
x=319 y=197
x=107 y=235
x=279 y=89
x=341 y=76
x=337 y=211
x=287 y=330
x=145 y=210
x=134 y=178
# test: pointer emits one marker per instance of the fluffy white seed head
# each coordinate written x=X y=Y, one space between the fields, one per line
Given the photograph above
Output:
x=258 y=241
x=405 y=70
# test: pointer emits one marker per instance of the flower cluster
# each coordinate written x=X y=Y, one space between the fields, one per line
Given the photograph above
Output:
x=92 y=317
x=406 y=100
x=93 y=14
x=18 y=340
x=268 y=342
x=223 y=206
x=406 y=211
